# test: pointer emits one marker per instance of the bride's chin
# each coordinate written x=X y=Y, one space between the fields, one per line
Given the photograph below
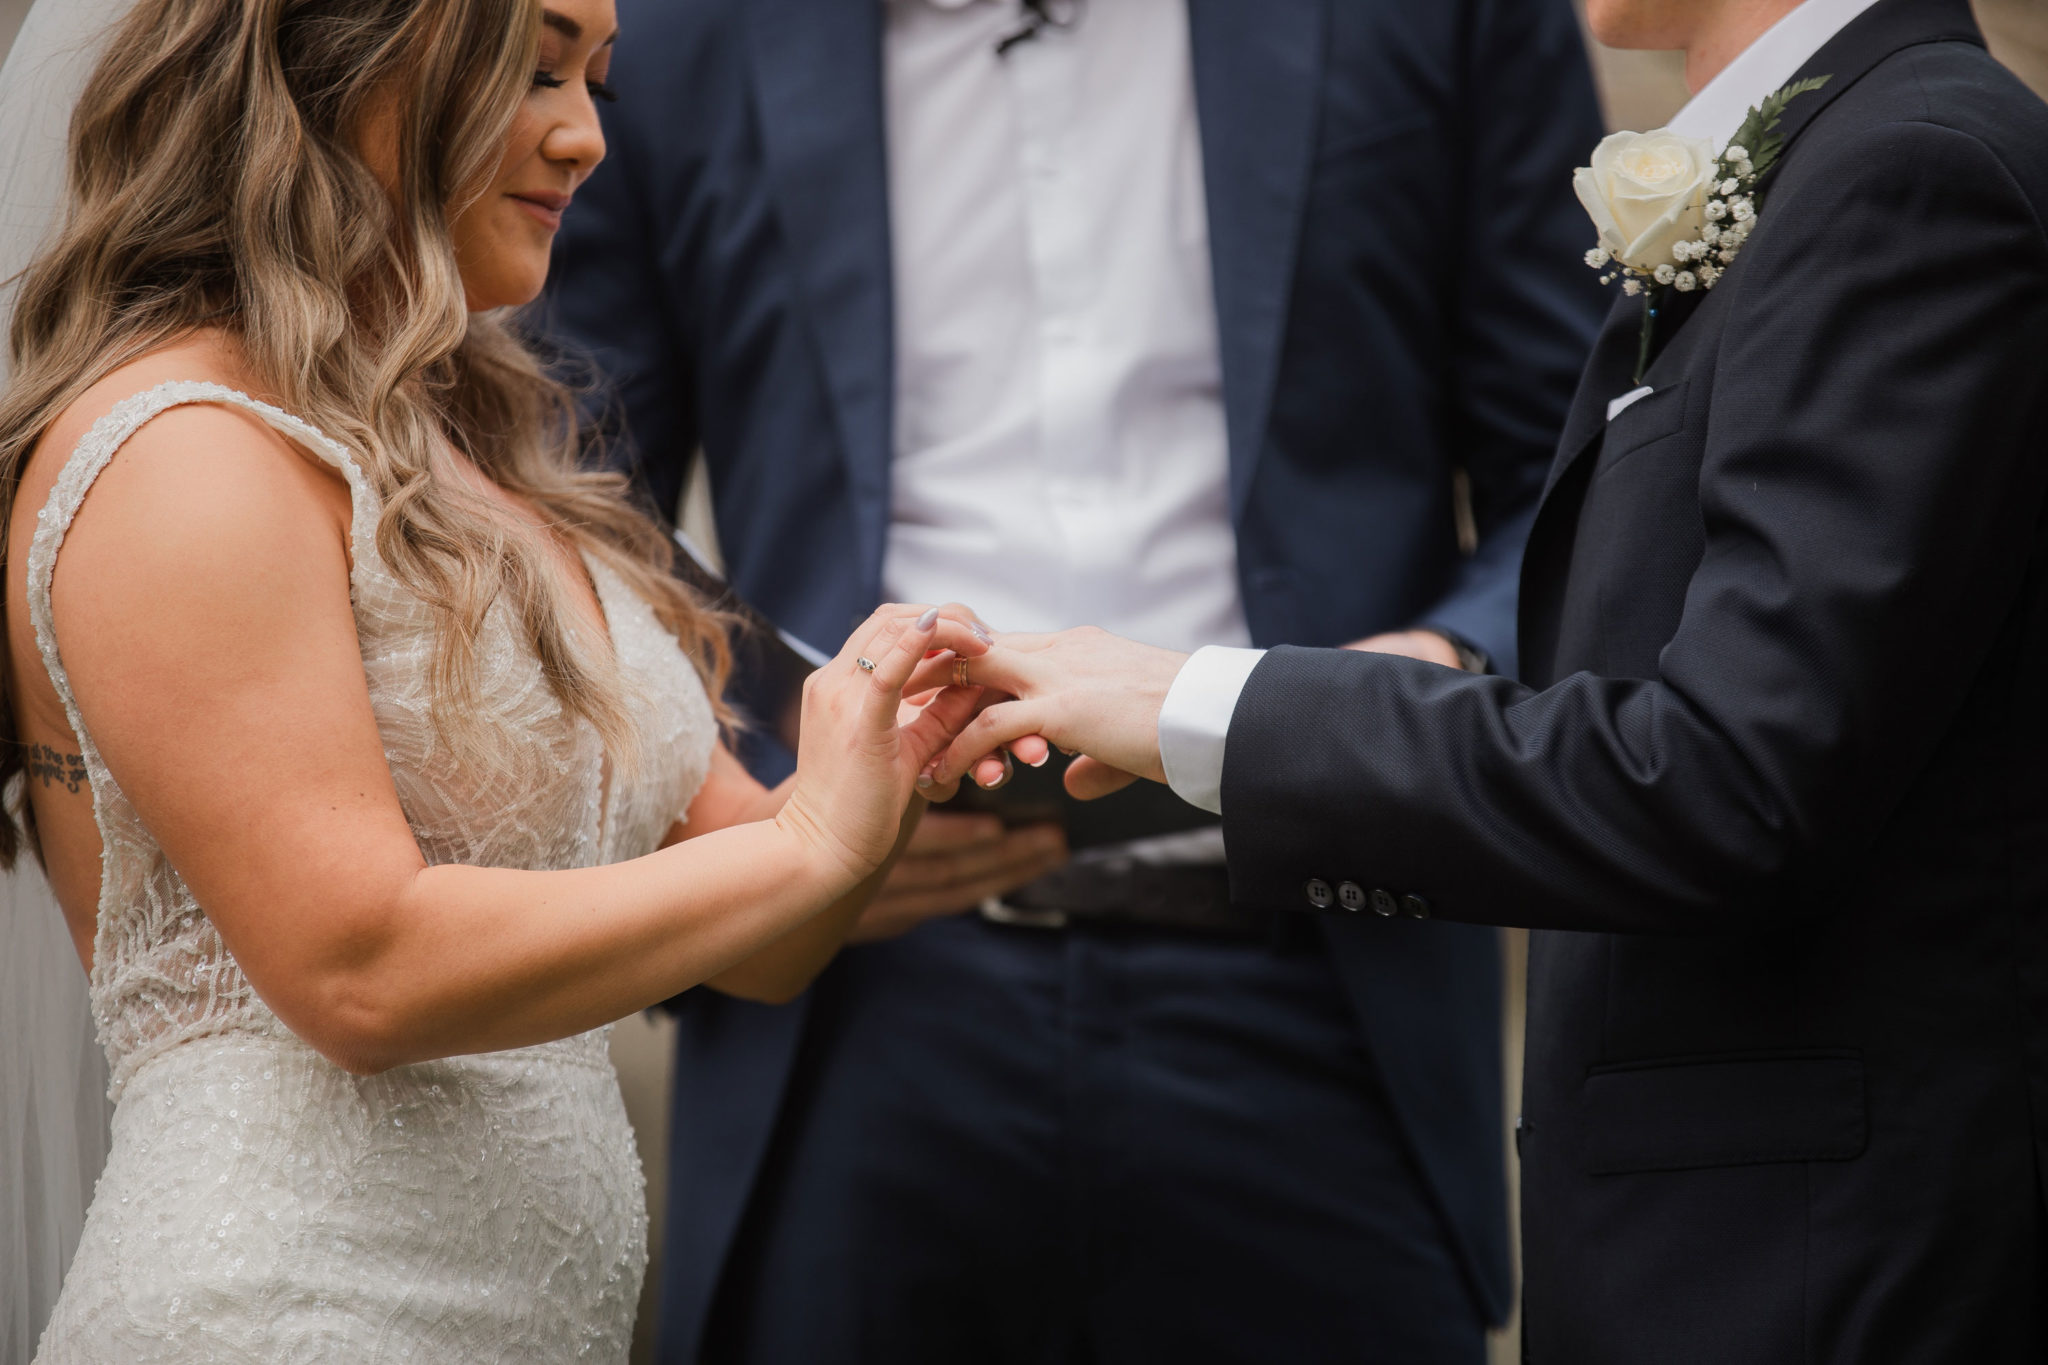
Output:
x=507 y=289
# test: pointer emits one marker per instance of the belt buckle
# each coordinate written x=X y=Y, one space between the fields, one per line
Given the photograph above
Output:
x=996 y=910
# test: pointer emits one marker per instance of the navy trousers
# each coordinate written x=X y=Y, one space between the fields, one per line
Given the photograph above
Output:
x=1007 y=1145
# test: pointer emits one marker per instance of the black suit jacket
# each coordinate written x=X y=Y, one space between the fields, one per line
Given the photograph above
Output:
x=1778 y=786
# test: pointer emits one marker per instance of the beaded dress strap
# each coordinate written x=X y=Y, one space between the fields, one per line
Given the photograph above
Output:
x=97 y=448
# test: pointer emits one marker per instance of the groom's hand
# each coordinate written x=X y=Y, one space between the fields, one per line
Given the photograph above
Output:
x=953 y=863
x=1086 y=691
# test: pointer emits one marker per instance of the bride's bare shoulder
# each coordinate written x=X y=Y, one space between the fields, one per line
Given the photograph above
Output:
x=224 y=457
x=206 y=357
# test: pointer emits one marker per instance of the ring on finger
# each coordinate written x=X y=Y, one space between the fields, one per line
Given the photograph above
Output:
x=864 y=664
x=960 y=672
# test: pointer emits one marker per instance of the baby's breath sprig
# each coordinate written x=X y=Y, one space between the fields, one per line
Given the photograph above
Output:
x=1727 y=217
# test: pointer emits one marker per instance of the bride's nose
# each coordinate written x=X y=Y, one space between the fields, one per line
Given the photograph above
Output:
x=577 y=140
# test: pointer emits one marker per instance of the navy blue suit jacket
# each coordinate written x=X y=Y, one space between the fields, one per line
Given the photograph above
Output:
x=1402 y=308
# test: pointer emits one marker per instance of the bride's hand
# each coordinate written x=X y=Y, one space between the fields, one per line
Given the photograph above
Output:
x=861 y=748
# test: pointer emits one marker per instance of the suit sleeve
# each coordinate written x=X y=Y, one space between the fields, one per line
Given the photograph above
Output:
x=1527 y=306
x=1871 y=490
x=610 y=311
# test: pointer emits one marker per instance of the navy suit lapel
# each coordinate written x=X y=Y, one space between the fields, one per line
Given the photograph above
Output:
x=1258 y=87
x=817 y=67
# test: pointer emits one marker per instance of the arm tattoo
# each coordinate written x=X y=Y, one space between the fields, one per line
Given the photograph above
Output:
x=51 y=768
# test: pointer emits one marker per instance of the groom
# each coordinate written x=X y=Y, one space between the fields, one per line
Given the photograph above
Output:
x=1777 y=789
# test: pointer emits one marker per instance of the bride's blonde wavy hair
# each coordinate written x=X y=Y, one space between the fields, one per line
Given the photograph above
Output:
x=216 y=181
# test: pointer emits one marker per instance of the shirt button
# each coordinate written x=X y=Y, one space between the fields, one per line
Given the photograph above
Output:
x=1351 y=896
x=1319 y=894
x=1383 y=904
x=1415 y=907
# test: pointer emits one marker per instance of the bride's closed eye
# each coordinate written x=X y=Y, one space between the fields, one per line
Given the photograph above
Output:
x=547 y=80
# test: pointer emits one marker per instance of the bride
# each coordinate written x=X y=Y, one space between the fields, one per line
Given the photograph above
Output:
x=370 y=747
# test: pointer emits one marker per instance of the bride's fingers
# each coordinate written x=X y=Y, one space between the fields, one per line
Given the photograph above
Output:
x=898 y=651
x=1090 y=779
x=926 y=735
x=895 y=651
x=998 y=725
x=956 y=630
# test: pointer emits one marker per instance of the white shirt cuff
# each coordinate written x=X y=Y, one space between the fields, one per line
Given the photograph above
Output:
x=1195 y=722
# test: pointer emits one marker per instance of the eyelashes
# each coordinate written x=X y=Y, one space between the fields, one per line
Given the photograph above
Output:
x=547 y=80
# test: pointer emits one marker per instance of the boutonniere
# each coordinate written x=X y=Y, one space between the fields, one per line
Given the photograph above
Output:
x=1673 y=215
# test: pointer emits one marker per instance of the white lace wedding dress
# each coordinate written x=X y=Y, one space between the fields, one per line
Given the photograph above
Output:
x=261 y=1205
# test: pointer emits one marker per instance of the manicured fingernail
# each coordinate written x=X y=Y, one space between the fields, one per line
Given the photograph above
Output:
x=980 y=633
x=984 y=627
x=928 y=620
x=1039 y=762
x=924 y=782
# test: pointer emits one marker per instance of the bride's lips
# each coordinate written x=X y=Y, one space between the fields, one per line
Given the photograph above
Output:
x=544 y=206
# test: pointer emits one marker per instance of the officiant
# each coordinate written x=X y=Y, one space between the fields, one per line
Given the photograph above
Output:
x=1210 y=321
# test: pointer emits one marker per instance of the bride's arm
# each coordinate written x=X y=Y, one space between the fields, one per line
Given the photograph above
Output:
x=779 y=972
x=202 y=603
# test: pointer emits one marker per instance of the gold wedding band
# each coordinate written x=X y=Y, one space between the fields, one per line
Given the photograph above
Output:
x=960 y=672
x=864 y=664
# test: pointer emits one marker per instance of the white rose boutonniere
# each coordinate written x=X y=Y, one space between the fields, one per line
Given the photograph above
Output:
x=1673 y=215
x=1646 y=192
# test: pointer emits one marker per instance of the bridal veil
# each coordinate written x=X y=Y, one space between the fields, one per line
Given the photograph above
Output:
x=53 y=1083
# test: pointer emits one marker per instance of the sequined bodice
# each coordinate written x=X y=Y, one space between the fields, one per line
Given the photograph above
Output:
x=543 y=797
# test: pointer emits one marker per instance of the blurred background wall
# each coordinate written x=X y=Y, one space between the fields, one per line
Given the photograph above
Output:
x=1639 y=90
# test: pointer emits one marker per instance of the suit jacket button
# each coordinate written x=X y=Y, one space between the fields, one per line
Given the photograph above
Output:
x=1383 y=904
x=1319 y=894
x=1351 y=896
x=1415 y=907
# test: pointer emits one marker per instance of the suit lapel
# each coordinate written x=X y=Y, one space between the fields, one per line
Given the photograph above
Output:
x=817 y=67
x=1608 y=375
x=1258 y=87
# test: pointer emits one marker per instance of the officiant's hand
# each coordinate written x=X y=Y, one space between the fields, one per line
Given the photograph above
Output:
x=861 y=749
x=953 y=863
x=1425 y=645
x=1087 y=691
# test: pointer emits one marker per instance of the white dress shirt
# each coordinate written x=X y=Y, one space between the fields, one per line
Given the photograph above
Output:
x=1195 y=721
x=1764 y=67
x=1060 y=453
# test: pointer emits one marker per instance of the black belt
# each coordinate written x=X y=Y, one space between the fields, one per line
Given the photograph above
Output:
x=1109 y=889
x=1112 y=892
